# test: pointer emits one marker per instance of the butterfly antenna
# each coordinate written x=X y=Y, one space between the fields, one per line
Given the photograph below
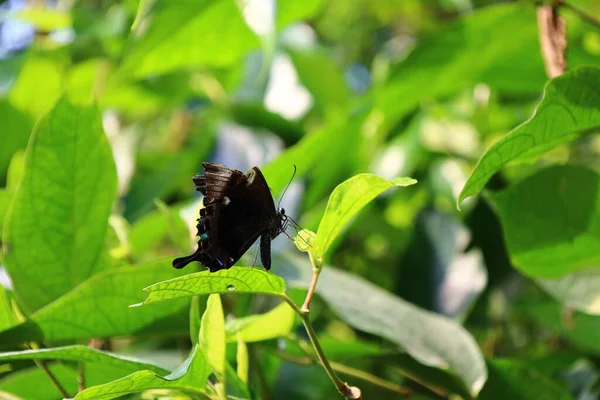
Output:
x=286 y=188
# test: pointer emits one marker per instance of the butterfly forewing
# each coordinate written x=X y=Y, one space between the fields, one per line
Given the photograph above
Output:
x=238 y=208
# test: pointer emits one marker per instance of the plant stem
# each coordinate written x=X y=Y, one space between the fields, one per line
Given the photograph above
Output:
x=349 y=392
x=590 y=19
x=311 y=291
x=41 y=365
x=81 y=376
x=344 y=369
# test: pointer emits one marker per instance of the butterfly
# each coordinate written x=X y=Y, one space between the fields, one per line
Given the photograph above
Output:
x=238 y=209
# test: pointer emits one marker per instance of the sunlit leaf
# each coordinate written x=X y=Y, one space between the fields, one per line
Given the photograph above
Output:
x=61 y=207
x=242 y=360
x=212 y=335
x=7 y=314
x=562 y=236
x=232 y=280
x=254 y=328
x=431 y=339
x=190 y=34
x=346 y=201
x=100 y=308
x=83 y=353
x=570 y=108
x=191 y=376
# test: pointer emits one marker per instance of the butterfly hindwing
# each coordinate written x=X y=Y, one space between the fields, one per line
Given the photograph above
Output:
x=238 y=209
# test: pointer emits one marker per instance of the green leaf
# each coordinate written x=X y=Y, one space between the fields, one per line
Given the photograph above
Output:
x=242 y=360
x=579 y=290
x=7 y=313
x=570 y=108
x=32 y=383
x=305 y=154
x=83 y=353
x=191 y=376
x=292 y=11
x=431 y=339
x=512 y=379
x=5 y=199
x=562 y=236
x=16 y=128
x=62 y=206
x=255 y=328
x=478 y=48
x=197 y=309
x=100 y=308
x=232 y=280
x=346 y=201
x=39 y=83
x=190 y=34
x=578 y=328
x=322 y=77
x=212 y=335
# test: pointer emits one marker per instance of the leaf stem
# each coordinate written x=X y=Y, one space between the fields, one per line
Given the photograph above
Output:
x=349 y=392
x=344 y=369
x=41 y=365
x=311 y=291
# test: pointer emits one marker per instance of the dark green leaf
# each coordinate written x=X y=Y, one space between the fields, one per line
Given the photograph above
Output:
x=570 y=108
x=511 y=379
x=562 y=236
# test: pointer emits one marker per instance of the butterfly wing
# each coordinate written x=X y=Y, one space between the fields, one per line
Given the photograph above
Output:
x=238 y=208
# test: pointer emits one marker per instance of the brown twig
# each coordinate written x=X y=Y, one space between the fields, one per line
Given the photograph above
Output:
x=553 y=41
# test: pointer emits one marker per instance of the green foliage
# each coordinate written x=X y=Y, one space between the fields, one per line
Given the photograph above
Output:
x=569 y=109
x=57 y=210
x=109 y=109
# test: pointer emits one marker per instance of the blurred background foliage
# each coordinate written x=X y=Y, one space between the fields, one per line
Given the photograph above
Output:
x=393 y=87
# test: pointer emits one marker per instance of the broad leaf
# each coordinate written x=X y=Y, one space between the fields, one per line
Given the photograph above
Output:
x=191 y=376
x=100 y=308
x=54 y=233
x=579 y=290
x=580 y=329
x=431 y=339
x=212 y=335
x=516 y=380
x=563 y=235
x=190 y=34
x=346 y=201
x=478 y=48
x=255 y=328
x=232 y=280
x=570 y=108
x=83 y=353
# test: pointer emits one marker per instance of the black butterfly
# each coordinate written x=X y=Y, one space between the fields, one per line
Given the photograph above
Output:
x=238 y=208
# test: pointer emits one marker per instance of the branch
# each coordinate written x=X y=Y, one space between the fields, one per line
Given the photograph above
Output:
x=590 y=19
x=553 y=41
